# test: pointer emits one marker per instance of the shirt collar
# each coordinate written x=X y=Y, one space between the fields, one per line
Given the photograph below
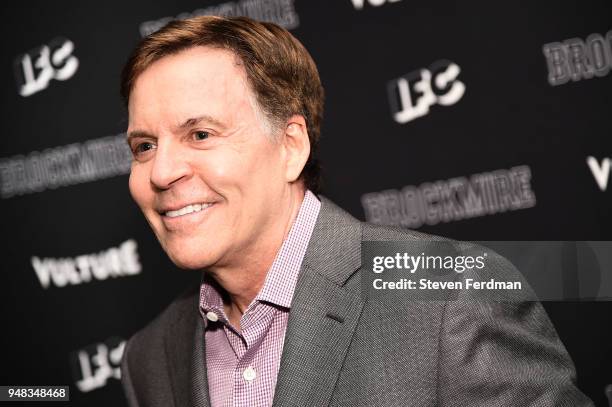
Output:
x=282 y=277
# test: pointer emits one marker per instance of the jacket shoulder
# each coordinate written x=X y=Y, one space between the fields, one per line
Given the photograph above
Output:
x=373 y=232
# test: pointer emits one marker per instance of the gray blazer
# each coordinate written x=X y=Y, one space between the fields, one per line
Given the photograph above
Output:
x=344 y=350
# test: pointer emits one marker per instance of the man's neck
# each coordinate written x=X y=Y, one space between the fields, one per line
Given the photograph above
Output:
x=242 y=284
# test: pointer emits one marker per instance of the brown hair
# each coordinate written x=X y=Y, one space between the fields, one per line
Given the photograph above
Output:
x=280 y=71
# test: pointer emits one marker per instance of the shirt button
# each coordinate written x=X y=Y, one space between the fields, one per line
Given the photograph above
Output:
x=249 y=374
x=211 y=316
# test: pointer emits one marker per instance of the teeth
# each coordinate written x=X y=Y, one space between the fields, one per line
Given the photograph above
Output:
x=187 y=209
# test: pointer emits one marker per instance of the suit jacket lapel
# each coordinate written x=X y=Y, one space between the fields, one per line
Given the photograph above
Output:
x=324 y=312
x=186 y=358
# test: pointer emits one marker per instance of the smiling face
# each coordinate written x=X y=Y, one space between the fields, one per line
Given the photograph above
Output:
x=206 y=172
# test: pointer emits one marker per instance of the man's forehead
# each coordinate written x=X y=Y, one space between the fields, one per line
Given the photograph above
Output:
x=197 y=82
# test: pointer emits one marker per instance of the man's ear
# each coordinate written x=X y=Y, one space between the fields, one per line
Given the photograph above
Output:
x=296 y=146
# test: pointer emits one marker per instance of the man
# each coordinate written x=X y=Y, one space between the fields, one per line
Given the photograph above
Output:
x=224 y=119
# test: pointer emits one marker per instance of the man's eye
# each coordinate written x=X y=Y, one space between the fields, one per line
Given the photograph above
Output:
x=201 y=135
x=143 y=147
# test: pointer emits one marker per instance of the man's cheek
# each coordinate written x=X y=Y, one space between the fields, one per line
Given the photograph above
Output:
x=137 y=186
x=132 y=183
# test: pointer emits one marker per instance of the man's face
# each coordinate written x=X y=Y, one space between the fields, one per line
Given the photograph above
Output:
x=206 y=174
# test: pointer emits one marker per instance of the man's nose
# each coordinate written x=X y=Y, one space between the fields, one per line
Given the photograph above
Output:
x=170 y=166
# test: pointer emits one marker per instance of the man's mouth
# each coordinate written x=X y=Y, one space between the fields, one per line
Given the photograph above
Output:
x=187 y=210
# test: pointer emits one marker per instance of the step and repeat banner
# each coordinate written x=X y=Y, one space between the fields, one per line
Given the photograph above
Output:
x=473 y=121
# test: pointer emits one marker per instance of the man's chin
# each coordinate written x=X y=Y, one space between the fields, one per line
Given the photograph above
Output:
x=190 y=260
x=190 y=263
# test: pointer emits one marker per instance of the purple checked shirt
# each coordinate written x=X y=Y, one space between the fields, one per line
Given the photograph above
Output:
x=242 y=366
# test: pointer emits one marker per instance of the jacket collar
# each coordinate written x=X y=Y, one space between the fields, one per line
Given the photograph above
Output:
x=334 y=250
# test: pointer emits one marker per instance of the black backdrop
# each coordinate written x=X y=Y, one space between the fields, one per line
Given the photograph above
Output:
x=516 y=111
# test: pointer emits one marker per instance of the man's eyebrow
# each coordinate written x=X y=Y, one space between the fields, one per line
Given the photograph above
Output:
x=137 y=134
x=202 y=118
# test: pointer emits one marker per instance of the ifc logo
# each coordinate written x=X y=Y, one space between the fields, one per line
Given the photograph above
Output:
x=37 y=67
x=411 y=95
